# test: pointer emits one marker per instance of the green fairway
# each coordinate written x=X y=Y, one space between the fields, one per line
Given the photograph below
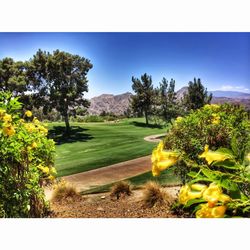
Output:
x=95 y=145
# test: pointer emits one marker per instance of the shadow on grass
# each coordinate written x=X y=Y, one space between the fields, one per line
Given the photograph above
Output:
x=76 y=135
x=144 y=125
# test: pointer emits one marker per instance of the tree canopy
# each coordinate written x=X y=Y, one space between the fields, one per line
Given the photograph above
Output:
x=144 y=98
x=197 y=95
x=60 y=79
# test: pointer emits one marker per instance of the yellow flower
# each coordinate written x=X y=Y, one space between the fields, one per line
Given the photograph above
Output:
x=36 y=121
x=212 y=156
x=53 y=171
x=34 y=145
x=44 y=169
x=9 y=130
x=30 y=127
x=28 y=113
x=162 y=160
x=188 y=192
x=179 y=119
x=207 y=212
x=215 y=119
x=219 y=211
x=198 y=187
x=7 y=118
x=214 y=193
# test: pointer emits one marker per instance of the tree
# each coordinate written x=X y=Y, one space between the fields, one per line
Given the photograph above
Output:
x=12 y=76
x=143 y=100
x=59 y=81
x=167 y=99
x=197 y=95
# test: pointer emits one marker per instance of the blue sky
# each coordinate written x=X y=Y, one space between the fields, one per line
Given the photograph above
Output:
x=221 y=60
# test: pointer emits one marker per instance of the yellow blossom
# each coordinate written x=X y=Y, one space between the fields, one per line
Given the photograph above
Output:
x=9 y=130
x=28 y=113
x=207 y=212
x=162 y=160
x=188 y=192
x=179 y=119
x=212 y=156
x=214 y=194
x=7 y=118
x=30 y=127
x=35 y=121
x=34 y=145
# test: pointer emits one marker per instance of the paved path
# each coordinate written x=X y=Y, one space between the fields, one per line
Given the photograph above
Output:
x=112 y=173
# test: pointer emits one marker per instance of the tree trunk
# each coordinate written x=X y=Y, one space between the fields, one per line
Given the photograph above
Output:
x=66 y=119
x=146 y=117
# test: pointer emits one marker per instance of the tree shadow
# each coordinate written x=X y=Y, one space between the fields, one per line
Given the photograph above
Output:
x=144 y=125
x=76 y=135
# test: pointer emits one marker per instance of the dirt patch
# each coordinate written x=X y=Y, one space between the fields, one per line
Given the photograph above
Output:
x=102 y=206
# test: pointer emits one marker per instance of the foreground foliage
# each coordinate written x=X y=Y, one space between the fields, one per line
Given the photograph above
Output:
x=216 y=182
x=27 y=159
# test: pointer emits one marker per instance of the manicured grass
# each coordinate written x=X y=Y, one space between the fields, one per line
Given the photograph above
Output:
x=167 y=178
x=94 y=145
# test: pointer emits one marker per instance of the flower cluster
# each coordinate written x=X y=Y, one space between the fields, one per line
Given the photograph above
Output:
x=162 y=160
x=213 y=195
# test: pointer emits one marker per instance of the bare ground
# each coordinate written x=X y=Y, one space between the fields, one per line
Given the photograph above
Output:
x=102 y=206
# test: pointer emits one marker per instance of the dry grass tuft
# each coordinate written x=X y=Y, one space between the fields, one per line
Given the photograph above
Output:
x=120 y=189
x=64 y=191
x=153 y=194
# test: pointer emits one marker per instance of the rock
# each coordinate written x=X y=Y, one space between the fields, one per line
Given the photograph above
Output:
x=100 y=209
x=103 y=197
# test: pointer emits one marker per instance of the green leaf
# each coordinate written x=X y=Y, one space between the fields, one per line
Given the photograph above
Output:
x=194 y=201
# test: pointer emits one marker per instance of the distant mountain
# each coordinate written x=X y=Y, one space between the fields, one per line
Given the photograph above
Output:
x=220 y=97
x=230 y=94
x=116 y=104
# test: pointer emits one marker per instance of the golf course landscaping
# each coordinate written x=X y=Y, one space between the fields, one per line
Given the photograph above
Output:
x=95 y=145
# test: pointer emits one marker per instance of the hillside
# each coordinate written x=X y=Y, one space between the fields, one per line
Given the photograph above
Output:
x=118 y=104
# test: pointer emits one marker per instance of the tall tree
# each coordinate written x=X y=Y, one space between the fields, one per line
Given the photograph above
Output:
x=60 y=79
x=143 y=100
x=197 y=95
x=167 y=99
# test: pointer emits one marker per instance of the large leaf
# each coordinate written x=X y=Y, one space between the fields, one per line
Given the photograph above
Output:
x=194 y=201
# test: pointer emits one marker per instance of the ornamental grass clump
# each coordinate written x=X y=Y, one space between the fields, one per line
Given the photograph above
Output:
x=64 y=191
x=216 y=176
x=120 y=189
x=27 y=161
x=153 y=195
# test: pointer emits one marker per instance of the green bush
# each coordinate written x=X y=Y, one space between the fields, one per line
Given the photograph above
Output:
x=211 y=149
x=214 y=125
x=27 y=159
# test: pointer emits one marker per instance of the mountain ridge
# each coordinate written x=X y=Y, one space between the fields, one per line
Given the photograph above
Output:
x=118 y=104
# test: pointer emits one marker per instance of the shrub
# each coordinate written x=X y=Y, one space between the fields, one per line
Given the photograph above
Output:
x=153 y=195
x=219 y=179
x=120 y=188
x=27 y=159
x=214 y=125
x=64 y=191
x=93 y=118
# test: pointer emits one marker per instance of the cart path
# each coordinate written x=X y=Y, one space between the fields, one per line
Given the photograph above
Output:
x=113 y=173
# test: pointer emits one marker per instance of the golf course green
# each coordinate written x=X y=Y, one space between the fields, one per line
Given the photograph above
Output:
x=95 y=145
